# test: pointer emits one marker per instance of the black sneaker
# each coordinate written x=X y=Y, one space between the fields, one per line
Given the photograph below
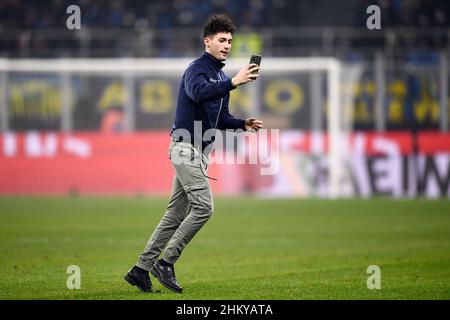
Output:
x=166 y=275
x=139 y=278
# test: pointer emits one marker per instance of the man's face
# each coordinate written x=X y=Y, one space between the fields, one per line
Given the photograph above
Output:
x=219 y=46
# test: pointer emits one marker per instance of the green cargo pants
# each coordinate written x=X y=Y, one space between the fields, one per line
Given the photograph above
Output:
x=190 y=206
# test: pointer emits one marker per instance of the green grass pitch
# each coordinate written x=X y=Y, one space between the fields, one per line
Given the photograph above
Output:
x=250 y=249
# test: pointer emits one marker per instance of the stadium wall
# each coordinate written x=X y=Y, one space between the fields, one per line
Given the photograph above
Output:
x=393 y=164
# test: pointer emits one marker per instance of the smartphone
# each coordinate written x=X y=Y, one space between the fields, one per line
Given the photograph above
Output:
x=255 y=58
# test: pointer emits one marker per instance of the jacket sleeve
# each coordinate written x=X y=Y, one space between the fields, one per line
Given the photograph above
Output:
x=199 y=89
x=227 y=121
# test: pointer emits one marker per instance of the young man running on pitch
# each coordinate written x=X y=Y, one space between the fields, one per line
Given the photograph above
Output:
x=202 y=102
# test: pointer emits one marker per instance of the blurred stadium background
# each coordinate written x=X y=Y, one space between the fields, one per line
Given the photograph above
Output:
x=68 y=129
x=394 y=95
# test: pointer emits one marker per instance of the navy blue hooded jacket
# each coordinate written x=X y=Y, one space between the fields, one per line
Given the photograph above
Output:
x=203 y=96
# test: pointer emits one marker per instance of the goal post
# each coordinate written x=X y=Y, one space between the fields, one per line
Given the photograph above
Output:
x=332 y=69
x=129 y=68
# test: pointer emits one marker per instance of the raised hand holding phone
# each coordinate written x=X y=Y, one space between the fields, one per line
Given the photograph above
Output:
x=249 y=73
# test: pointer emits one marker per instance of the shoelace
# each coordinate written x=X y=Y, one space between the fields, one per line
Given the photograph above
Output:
x=201 y=167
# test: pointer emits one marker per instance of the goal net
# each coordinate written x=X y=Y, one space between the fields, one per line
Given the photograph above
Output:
x=303 y=98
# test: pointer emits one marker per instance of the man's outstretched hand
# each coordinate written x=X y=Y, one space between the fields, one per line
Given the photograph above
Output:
x=253 y=124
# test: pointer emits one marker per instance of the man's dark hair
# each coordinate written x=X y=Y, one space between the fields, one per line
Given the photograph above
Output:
x=218 y=23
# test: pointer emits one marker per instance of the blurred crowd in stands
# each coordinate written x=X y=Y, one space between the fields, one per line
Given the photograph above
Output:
x=254 y=13
x=158 y=15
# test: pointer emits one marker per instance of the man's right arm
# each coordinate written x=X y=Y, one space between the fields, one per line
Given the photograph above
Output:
x=199 y=89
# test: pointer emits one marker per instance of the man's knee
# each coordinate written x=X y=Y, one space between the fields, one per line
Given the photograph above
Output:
x=178 y=211
x=202 y=202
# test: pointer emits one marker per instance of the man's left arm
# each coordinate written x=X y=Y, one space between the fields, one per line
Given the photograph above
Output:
x=227 y=121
